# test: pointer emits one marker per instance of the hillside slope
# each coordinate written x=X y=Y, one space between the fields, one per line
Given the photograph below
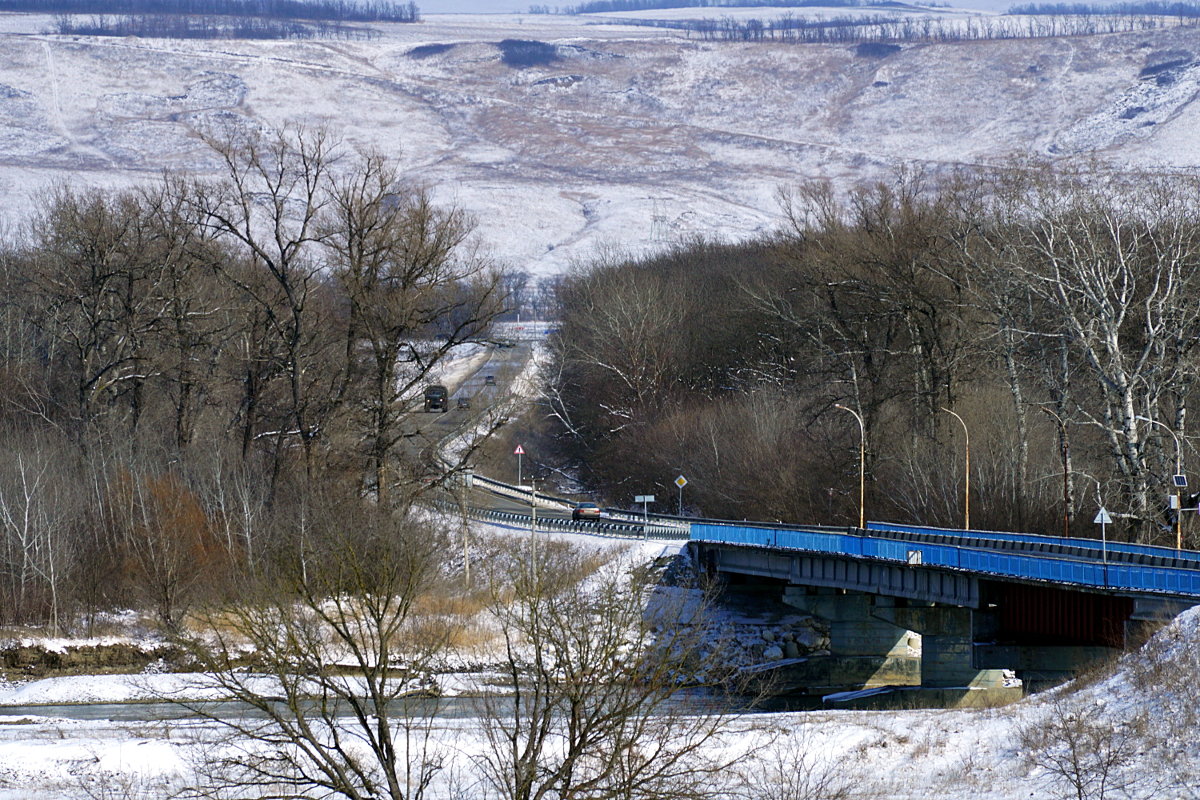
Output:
x=622 y=137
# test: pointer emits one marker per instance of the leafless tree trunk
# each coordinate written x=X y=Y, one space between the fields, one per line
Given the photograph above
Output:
x=1114 y=266
x=593 y=666
x=267 y=207
x=342 y=656
x=416 y=288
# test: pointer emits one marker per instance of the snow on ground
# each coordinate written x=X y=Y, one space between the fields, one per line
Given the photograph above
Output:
x=630 y=137
x=956 y=755
x=953 y=754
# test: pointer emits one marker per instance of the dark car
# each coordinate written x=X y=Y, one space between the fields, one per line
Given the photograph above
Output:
x=585 y=511
x=437 y=398
x=489 y=380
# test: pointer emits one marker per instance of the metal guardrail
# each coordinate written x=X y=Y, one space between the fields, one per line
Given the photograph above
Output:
x=524 y=495
x=1113 y=576
x=613 y=530
x=679 y=528
x=1071 y=561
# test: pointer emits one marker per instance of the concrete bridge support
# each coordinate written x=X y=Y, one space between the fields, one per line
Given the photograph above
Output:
x=922 y=644
x=948 y=646
x=871 y=650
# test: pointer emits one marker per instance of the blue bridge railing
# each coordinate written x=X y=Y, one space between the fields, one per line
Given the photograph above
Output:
x=1152 y=551
x=1122 y=577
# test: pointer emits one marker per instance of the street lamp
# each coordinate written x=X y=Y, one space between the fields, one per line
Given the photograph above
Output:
x=862 y=464
x=967 y=473
x=1178 y=471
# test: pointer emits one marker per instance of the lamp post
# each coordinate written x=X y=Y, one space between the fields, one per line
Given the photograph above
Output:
x=967 y=472
x=862 y=464
x=532 y=506
x=1178 y=471
x=1065 y=447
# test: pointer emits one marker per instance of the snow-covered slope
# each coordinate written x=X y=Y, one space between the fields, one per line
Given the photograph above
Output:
x=629 y=137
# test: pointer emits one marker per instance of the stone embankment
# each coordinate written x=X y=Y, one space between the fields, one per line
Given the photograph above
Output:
x=789 y=637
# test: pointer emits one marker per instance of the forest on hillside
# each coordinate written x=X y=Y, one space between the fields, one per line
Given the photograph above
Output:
x=1053 y=312
x=891 y=27
x=201 y=380
x=328 y=10
x=217 y=19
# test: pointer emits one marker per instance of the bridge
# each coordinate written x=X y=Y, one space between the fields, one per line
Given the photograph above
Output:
x=982 y=605
x=908 y=605
x=958 y=611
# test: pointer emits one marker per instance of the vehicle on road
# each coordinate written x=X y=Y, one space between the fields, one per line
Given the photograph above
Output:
x=585 y=511
x=489 y=380
x=437 y=398
x=464 y=402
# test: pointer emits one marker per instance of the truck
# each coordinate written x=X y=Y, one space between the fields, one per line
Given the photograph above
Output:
x=437 y=398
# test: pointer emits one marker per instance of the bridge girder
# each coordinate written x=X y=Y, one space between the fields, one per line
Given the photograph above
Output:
x=871 y=577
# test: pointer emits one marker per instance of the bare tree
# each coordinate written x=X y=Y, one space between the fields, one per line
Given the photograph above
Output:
x=1113 y=262
x=593 y=675
x=790 y=768
x=97 y=269
x=266 y=207
x=165 y=541
x=623 y=330
x=37 y=551
x=1083 y=754
x=340 y=657
x=416 y=288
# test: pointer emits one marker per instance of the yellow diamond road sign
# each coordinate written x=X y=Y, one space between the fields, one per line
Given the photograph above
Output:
x=681 y=481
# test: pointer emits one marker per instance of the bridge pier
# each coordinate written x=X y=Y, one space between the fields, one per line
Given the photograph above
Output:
x=958 y=632
x=948 y=646
x=916 y=644
x=871 y=650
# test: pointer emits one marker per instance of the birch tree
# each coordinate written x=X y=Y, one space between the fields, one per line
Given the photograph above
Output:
x=1116 y=268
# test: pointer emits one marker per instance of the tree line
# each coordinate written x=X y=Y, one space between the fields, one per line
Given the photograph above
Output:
x=329 y=10
x=612 y=6
x=1151 y=8
x=1055 y=312
x=798 y=29
x=175 y=26
x=185 y=362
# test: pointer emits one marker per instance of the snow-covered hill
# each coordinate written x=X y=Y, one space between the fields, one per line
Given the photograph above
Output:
x=628 y=137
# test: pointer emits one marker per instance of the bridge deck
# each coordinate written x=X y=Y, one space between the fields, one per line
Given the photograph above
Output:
x=1026 y=561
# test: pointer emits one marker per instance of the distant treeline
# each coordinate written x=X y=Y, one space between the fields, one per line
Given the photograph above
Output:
x=179 y=26
x=1128 y=9
x=611 y=6
x=329 y=10
x=850 y=29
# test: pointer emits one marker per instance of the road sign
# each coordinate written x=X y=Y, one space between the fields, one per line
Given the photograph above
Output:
x=681 y=481
x=520 y=451
x=1103 y=520
x=644 y=498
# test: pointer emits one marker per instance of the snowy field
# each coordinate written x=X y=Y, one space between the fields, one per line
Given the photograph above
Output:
x=630 y=138
x=952 y=754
